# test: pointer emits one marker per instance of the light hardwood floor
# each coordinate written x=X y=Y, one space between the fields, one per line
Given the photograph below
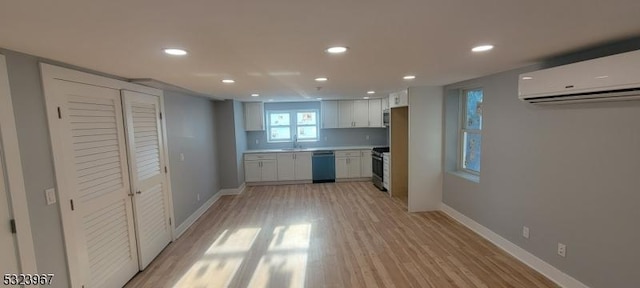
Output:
x=330 y=235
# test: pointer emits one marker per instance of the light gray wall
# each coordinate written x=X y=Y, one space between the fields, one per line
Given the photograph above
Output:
x=328 y=137
x=227 y=144
x=192 y=131
x=568 y=172
x=241 y=138
x=37 y=164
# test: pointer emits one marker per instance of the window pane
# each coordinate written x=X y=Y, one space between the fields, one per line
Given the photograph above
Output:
x=474 y=110
x=279 y=119
x=471 y=151
x=306 y=118
x=307 y=132
x=280 y=133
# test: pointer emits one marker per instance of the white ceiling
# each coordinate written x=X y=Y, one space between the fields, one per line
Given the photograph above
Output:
x=276 y=47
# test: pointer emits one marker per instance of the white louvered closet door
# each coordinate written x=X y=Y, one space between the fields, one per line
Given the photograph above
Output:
x=146 y=159
x=93 y=156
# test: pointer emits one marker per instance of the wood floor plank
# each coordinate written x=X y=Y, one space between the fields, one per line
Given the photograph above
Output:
x=345 y=234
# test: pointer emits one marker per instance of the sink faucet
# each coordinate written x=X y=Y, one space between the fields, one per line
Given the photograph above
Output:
x=295 y=142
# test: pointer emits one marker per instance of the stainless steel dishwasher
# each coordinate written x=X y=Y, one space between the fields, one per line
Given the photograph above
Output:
x=324 y=166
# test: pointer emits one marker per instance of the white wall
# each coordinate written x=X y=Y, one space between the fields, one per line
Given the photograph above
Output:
x=425 y=148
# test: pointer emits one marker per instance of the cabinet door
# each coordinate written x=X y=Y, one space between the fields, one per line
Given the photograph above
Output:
x=252 y=171
x=366 y=163
x=342 y=168
x=254 y=116
x=286 y=168
x=269 y=170
x=361 y=113
x=303 y=166
x=355 y=171
x=329 y=114
x=375 y=113
x=345 y=114
x=385 y=103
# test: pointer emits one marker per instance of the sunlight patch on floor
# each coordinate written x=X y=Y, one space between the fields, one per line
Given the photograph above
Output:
x=285 y=262
x=220 y=263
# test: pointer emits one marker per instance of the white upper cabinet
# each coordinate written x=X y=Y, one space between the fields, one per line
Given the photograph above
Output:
x=254 y=116
x=361 y=113
x=375 y=113
x=329 y=114
x=345 y=114
x=398 y=99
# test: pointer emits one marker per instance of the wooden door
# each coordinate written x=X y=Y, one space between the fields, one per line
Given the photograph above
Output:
x=286 y=167
x=269 y=170
x=252 y=171
x=345 y=114
x=147 y=172
x=303 y=166
x=361 y=113
x=90 y=155
x=8 y=248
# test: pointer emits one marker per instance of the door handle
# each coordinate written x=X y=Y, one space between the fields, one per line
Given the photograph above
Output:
x=138 y=192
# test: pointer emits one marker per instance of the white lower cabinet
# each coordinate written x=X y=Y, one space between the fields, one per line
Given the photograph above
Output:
x=366 y=163
x=348 y=164
x=260 y=167
x=294 y=166
x=303 y=166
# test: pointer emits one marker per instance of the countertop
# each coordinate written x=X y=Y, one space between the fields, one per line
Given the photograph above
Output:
x=310 y=149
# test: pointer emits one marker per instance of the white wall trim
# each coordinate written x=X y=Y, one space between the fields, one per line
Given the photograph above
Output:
x=546 y=269
x=233 y=191
x=15 y=178
x=197 y=214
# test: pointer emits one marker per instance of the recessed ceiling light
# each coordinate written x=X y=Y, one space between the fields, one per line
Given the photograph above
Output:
x=228 y=81
x=337 y=50
x=322 y=79
x=527 y=78
x=482 y=48
x=602 y=77
x=365 y=97
x=175 y=51
x=409 y=77
x=255 y=95
x=318 y=98
x=371 y=92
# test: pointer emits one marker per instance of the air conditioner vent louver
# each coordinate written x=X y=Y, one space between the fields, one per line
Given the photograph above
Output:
x=611 y=78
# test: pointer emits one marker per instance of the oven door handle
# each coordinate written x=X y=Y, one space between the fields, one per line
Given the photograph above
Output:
x=376 y=157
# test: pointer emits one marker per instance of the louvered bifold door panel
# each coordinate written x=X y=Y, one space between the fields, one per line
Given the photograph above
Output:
x=96 y=179
x=146 y=159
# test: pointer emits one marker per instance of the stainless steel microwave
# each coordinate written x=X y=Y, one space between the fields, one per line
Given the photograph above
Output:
x=386 y=117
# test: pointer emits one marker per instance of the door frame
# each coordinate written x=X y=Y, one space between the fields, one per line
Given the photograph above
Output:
x=50 y=74
x=14 y=176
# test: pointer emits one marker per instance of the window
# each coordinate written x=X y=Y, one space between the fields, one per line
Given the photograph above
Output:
x=471 y=131
x=286 y=126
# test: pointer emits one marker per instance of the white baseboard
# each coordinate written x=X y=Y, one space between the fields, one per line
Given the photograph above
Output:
x=192 y=219
x=546 y=269
x=233 y=191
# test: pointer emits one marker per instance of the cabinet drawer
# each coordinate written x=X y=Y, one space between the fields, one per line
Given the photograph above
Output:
x=250 y=157
x=348 y=153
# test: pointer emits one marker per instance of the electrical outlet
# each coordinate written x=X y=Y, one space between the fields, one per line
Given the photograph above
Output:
x=562 y=250
x=257 y=141
x=198 y=196
x=50 y=195
x=325 y=138
x=367 y=137
x=525 y=232
x=181 y=156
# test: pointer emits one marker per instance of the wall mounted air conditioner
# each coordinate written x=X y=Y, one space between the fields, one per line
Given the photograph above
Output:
x=611 y=78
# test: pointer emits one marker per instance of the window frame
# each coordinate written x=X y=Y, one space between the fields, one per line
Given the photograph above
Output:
x=462 y=130
x=293 y=125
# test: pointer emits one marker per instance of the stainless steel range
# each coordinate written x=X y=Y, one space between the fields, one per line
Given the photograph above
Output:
x=378 y=166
